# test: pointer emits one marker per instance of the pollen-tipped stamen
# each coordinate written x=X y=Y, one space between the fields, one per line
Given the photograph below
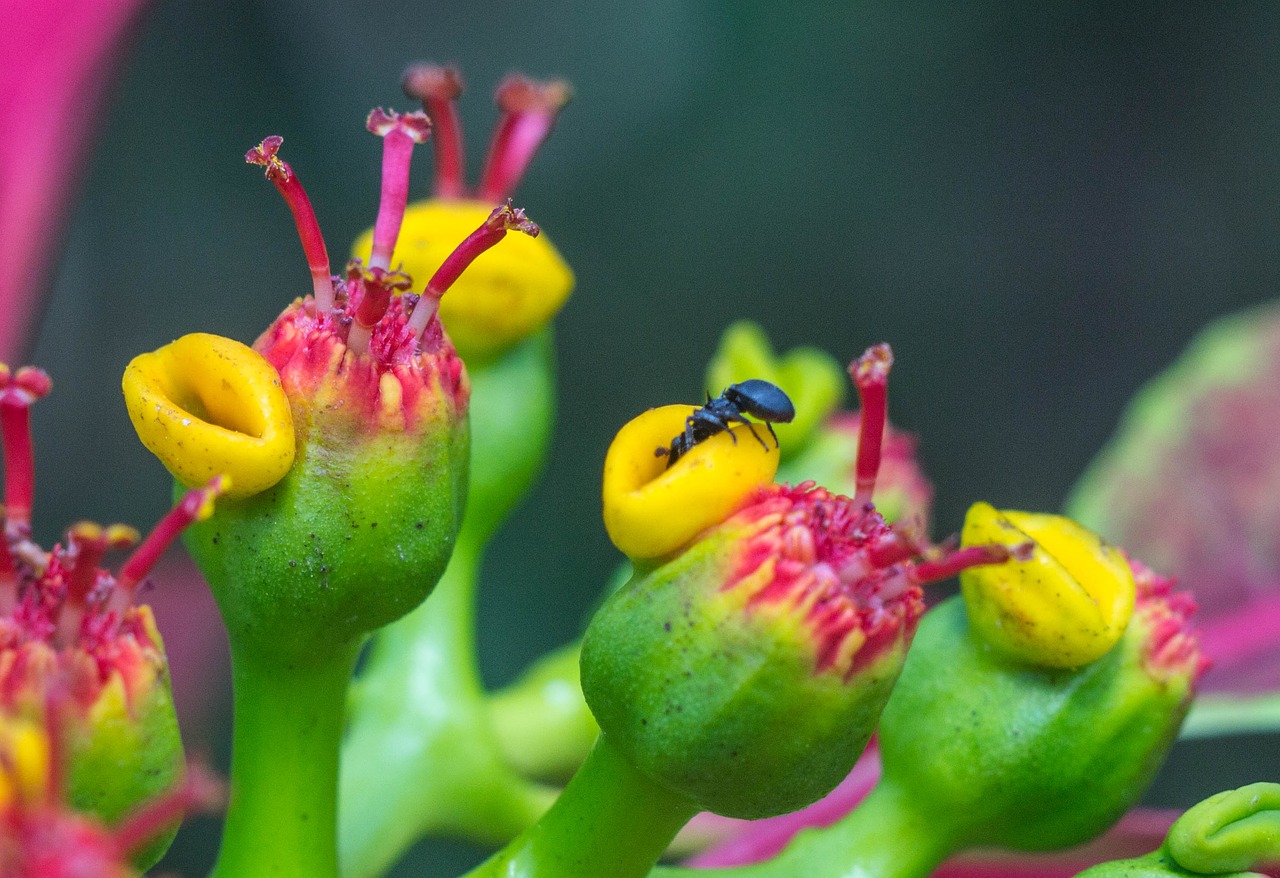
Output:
x=372 y=288
x=529 y=111
x=399 y=133
x=88 y=542
x=18 y=390
x=195 y=505
x=870 y=374
x=503 y=219
x=304 y=216
x=438 y=88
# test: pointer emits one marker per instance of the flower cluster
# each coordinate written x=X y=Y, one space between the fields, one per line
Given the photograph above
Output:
x=768 y=616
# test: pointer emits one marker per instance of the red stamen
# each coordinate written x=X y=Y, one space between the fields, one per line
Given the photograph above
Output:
x=491 y=231
x=870 y=374
x=438 y=89
x=17 y=392
x=196 y=504
x=199 y=789
x=88 y=542
x=962 y=559
x=304 y=216
x=399 y=133
x=55 y=723
x=529 y=111
x=371 y=289
x=896 y=546
x=8 y=572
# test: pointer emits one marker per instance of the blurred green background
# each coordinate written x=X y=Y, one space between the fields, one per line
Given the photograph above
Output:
x=1037 y=206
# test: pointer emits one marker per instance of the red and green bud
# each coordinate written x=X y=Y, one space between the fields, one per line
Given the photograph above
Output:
x=991 y=751
x=70 y=632
x=356 y=527
x=748 y=671
x=45 y=834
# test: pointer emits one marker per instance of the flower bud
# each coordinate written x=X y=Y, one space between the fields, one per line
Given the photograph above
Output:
x=747 y=672
x=44 y=834
x=993 y=753
x=509 y=293
x=1226 y=834
x=1229 y=832
x=346 y=522
x=1063 y=606
x=71 y=636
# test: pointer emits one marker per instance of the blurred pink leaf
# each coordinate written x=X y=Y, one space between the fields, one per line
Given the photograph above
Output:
x=58 y=63
x=1191 y=485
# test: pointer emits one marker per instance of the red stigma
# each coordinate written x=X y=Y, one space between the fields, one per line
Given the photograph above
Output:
x=529 y=111
x=439 y=88
x=870 y=374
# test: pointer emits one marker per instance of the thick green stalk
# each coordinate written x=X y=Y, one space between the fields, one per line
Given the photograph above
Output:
x=422 y=714
x=281 y=819
x=611 y=821
x=884 y=837
x=543 y=725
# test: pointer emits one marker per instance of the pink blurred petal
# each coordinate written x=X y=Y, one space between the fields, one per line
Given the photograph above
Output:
x=196 y=644
x=58 y=62
x=1190 y=486
x=1139 y=832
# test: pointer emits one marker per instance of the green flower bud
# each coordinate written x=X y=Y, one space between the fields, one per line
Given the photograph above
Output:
x=747 y=673
x=1226 y=834
x=1232 y=831
x=997 y=753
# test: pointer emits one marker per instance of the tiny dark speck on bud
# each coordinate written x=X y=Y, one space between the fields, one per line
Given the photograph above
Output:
x=666 y=626
x=293 y=563
x=324 y=568
x=373 y=524
x=419 y=525
x=643 y=721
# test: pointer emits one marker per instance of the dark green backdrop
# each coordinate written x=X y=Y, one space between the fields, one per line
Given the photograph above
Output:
x=1036 y=207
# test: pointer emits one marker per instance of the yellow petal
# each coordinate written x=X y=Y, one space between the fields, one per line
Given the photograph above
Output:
x=24 y=753
x=207 y=405
x=507 y=294
x=1064 y=607
x=650 y=510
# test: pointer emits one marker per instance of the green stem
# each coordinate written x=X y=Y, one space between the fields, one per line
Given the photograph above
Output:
x=281 y=820
x=884 y=837
x=421 y=755
x=543 y=724
x=611 y=821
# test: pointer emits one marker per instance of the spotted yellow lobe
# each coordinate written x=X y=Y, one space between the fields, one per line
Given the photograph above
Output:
x=207 y=405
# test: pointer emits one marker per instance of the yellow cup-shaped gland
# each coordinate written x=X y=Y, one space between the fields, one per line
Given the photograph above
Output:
x=1064 y=607
x=651 y=510
x=509 y=292
x=24 y=761
x=207 y=405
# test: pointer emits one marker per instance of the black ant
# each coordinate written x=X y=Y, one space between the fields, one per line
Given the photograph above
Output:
x=755 y=397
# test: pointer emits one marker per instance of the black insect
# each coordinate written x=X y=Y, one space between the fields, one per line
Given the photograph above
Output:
x=755 y=397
